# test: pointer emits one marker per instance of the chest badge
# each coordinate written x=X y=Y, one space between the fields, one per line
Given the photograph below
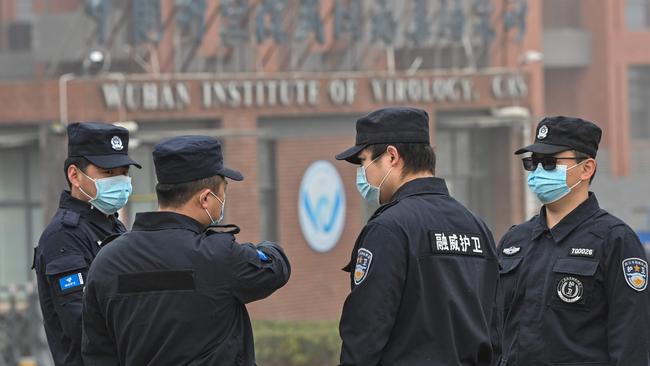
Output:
x=364 y=259
x=636 y=273
x=511 y=251
x=582 y=252
x=570 y=289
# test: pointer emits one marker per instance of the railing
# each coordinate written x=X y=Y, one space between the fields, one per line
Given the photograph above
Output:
x=22 y=338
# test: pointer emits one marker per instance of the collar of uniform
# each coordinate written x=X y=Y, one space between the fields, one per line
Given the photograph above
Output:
x=430 y=185
x=83 y=208
x=576 y=217
x=161 y=220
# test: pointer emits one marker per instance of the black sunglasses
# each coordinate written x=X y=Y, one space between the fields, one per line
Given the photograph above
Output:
x=548 y=162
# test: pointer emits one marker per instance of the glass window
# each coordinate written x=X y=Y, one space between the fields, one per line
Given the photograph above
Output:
x=144 y=183
x=639 y=102
x=21 y=220
x=12 y=178
x=562 y=13
x=36 y=187
x=15 y=263
x=637 y=14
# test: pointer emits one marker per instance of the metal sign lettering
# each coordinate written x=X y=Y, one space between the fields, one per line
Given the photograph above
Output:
x=214 y=94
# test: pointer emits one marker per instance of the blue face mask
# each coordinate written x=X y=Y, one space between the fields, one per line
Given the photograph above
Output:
x=369 y=192
x=112 y=193
x=223 y=210
x=550 y=185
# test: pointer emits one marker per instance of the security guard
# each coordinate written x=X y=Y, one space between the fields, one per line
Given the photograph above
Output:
x=424 y=270
x=171 y=292
x=97 y=170
x=575 y=277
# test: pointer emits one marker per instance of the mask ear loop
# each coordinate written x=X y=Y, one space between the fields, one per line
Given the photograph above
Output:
x=210 y=216
x=217 y=197
x=81 y=189
x=385 y=176
x=580 y=181
x=223 y=203
x=206 y=211
x=372 y=162
x=383 y=180
x=577 y=164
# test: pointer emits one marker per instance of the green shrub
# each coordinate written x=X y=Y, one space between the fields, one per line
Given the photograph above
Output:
x=296 y=343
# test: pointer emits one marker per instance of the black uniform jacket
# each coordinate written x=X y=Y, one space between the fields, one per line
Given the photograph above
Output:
x=575 y=294
x=171 y=293
x=424 y=275
x=65 y=250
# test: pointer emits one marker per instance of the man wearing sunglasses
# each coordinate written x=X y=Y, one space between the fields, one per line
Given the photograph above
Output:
x=574 y=277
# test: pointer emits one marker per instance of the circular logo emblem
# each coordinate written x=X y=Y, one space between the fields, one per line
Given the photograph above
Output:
x=321 y=206
x=116 y=143
x=569 y=289
x=543 y=132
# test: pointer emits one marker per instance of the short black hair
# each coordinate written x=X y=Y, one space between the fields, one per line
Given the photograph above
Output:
x=78 y=161
x=418 y=158
x=580 y=157
x=177 y=194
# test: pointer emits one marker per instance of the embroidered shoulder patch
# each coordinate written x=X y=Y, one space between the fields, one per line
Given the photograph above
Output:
x=636 y=273
x=263 y=257
x=71 y=281
x=364 y=259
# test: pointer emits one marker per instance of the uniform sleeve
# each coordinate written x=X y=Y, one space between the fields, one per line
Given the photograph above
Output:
x=496 y=319
x=628 y=322
x=66 y=271
x=258 y=271
x=370 y=309
x=97 y=346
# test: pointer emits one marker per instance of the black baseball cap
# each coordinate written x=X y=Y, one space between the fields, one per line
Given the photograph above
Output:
x=188 y=158
x=103 y=144
x=557 y=134
x=388 y=126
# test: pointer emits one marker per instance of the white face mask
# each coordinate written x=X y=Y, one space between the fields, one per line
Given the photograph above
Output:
x=223 y=210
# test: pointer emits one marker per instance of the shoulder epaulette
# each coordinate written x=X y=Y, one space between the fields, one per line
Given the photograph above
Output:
x=70 y=219
x=108 y=239
x=222 y=229
x=383 y=208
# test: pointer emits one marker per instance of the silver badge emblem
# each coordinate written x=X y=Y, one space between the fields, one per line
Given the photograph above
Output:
x=570 y=289
x=636 y=273
x=116 y=143
x=543 y=132
x=364 y=259
x=511 y=250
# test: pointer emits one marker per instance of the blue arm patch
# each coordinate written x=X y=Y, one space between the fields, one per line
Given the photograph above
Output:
x=263 y=257
x=71 y=281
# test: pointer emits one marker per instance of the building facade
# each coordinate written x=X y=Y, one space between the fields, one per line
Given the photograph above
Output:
x=282 y=83
x=597 y=65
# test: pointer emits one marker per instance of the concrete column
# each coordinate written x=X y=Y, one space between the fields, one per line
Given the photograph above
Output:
x=240 y=153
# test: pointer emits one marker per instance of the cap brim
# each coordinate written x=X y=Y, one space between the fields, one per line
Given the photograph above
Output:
x=230 y=173
x=542 y=148
x=112 y=161
x=351 y=154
